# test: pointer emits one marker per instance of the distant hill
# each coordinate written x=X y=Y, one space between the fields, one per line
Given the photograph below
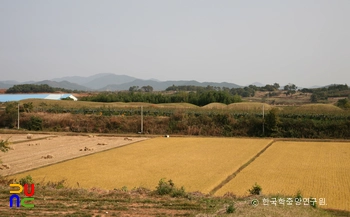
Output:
x=4 y=85
x=64 y=84
x=113 y=82
x=9 y=83
x=108 y=79
x=80 y=79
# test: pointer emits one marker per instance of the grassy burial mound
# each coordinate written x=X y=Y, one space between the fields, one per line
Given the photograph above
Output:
x=198 y=164
x=249 y=106
x=174 y=105
x=317 y=169
x=318 y=108
x=215 y=105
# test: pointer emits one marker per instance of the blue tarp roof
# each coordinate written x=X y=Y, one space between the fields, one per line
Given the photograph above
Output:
x=18 y=97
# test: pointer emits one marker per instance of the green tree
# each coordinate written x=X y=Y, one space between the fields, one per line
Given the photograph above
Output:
x=133 y=88
x=343 y=103
x=290 y=89
x=272 y=120
x=276 y=86
x=147 y=88
x=28 y=107
x=314 y=98
x=11 y=114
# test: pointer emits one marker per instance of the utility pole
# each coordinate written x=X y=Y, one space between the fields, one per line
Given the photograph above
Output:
x=263 y=120
x=18 y=116
x=141 y=119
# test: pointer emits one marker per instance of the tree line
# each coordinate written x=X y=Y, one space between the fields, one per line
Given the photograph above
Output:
x=35 y=88
x=185 y=122
x=241 y=91
x=199 y=98
x=322 y=93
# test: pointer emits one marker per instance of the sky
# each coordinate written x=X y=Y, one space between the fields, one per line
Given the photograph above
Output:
x=304 y=42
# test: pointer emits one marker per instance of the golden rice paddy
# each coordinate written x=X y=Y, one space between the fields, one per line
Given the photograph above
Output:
x=198 y=164
x=317 y=169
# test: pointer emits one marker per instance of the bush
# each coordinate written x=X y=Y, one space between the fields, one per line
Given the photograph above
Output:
x=67 y=98
x=299 y=195
x=272 y=120
x=4 y=145
x=255 y=190
x=314 y=205
x=26 y=180
x=178 y=192
x=35 y=123
x=56 y=185
x=164 y=187
x=124 y=188
x=168 y=188
x=230 y=209
x=343 y=103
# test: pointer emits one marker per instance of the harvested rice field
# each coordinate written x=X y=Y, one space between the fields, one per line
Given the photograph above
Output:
x=31 y=154
x=198 y=164
x=22 y=137
x=317 y=169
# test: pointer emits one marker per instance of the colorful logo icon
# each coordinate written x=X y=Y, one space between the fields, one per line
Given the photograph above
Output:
x=22 y=201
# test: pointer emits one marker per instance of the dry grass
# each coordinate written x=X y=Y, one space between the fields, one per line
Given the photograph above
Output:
x=141 y=202
x=249 y=106
x=317 y=169
x=199 y=164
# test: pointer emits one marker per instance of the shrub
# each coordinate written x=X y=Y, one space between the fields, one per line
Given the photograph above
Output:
x=299 y=195
x=272 y=120
x=56 y=185
x=164 y=187
x=314 y=205
x=35 y=123
x=343 y=103
x=26 y=180
x=255 y=190
x=168 y=188
x=4 y=145
x=230 y=209
x=67 y=98
x=124 y=188
x=178 y=192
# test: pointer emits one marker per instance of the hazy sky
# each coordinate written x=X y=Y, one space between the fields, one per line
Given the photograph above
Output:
x=306 y=42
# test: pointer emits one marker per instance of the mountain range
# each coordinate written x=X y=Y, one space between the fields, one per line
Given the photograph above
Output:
x=112 y=82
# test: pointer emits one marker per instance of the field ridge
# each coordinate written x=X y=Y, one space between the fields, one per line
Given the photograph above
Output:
x=233 y=175
x=32 y=140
